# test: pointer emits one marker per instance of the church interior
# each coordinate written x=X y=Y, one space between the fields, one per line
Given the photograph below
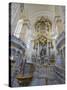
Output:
x=37 y=44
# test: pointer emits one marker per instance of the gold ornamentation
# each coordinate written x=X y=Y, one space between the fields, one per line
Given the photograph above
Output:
x=43 y=24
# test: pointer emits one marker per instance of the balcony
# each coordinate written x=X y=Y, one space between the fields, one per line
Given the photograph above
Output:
x=60 y=39
x=17 y=41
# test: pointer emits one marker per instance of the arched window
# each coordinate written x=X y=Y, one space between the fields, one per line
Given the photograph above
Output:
x=18 y=28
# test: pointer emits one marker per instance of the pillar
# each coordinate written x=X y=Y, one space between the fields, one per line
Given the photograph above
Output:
x=47 y=49
x=38 y=49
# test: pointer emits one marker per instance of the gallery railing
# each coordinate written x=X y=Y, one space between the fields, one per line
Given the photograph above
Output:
x=17 y=41
x=60 y=38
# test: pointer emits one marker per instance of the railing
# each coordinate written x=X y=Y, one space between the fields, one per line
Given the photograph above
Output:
x=45 y=71
x=60 y=38
x=60 y=74
x=50 y=74
x=17 y=41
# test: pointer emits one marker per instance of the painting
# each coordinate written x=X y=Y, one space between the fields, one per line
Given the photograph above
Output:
x=36 y=44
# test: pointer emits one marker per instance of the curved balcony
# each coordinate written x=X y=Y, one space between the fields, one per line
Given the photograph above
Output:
x=60 y=39
x=18 y=42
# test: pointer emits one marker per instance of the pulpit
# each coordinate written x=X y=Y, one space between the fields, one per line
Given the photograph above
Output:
x=25 y=77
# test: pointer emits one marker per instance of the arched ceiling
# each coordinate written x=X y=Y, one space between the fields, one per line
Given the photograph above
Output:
x=34 y=11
